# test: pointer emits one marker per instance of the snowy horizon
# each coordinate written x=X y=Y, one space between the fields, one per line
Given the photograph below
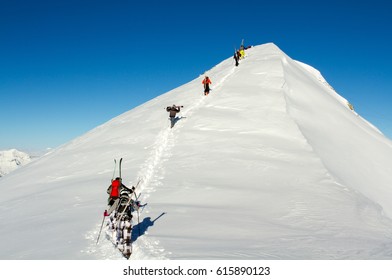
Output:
x=273 y=164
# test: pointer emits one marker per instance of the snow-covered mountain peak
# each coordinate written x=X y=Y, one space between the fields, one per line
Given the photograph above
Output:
x=11 y=160
x=271 y=165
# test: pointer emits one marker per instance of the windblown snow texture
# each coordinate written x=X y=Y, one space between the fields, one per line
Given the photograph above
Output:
x=271 y=165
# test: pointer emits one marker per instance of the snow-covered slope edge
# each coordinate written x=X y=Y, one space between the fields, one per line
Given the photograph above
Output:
x=354 y=151
x=330 y=90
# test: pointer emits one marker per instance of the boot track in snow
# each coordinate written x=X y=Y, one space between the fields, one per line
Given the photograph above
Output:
x=151 y=173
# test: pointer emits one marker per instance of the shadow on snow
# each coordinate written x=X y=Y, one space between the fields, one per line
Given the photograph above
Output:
x=142 y=227
x=173 y=121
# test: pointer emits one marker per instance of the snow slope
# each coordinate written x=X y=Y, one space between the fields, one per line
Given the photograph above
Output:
x=11 y=160
x=271 y=165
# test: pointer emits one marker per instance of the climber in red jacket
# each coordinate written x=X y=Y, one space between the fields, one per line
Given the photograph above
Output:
x=114 y=190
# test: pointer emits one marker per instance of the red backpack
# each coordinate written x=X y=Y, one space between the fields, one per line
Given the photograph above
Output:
x=115 y=188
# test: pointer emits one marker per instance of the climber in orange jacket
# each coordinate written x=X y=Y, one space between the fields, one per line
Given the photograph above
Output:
x=206 y=82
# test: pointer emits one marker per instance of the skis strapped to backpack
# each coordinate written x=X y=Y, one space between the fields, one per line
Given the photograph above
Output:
x=119 y=168
x=128 y=203
x=115 y=167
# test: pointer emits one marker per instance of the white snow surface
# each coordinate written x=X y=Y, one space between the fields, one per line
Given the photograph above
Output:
x=11 y=160
x=271 y=165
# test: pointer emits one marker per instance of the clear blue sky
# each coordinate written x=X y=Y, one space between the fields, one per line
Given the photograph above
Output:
x=67 y=66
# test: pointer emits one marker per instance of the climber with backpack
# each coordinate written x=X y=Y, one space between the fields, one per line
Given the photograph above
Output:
x=236 y=57
x=206 y=82
x=114 y=190
x=173 y=110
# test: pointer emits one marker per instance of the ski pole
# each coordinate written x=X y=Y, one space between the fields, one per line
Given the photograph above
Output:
x=103 y=220
x=138 y=216
x=134 y=191
x=114 y=171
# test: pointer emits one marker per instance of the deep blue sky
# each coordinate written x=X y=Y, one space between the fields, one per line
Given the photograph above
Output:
x=67 y=66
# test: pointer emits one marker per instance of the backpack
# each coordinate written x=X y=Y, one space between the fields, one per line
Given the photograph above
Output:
x=115 y=188
x=116 y=183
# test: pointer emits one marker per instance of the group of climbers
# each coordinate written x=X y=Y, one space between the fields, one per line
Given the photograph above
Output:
x=121 y=204
x=240 y=54
x=206 y=82
x=174 y=109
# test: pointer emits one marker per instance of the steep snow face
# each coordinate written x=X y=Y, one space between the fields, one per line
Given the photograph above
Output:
x=355 y=152
x=271 y=165
x=11 y=160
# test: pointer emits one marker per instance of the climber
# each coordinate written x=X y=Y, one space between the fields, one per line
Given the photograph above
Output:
x=206 y=82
